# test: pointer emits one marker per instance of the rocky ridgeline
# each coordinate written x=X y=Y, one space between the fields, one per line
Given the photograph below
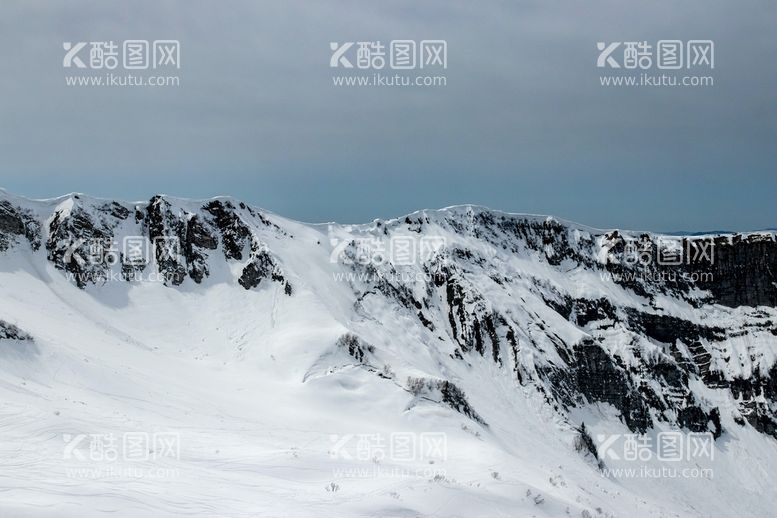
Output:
x=637 y=358
x=82 y=239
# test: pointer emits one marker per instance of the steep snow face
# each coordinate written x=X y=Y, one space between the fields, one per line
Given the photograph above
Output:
x=275 y=351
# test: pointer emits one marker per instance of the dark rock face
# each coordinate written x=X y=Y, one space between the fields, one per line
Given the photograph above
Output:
x=736 y=270
x=115 y=209
x=549 y=237
x=235 y=234
x=167 y=231
x=396 y=292
x=197 y=240
x=10 y=219
x=584 y=311
x=11 y=332
x=82 y=245
x=743 y=272
x=199 y=235
x=462 y=326
x=445 y=392
x=261 y=265
x=455 y=398
x=697 y=420
x=600 y=379
x=472 y=324
x=759 y=400
x=593 y=377
x=584 y=443
x=355 y=346
x=669 y=329
x=14 y=223
x=593 y=374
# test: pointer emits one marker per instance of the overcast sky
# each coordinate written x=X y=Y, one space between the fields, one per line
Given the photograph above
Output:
x=522 y=125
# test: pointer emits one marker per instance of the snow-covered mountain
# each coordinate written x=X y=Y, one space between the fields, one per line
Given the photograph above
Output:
x=453 y=362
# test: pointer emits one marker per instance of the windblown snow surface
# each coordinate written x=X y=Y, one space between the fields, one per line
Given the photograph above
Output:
x=285 y=380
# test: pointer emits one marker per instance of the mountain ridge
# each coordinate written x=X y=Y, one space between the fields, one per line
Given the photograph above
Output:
x=455 y=207
x=462 y=314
